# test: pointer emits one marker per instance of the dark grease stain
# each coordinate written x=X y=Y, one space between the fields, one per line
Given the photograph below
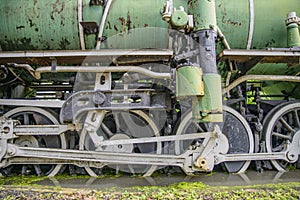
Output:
x=122 y=20
x=17 y=44
x=31 y=24
x=126 y=23
x=229 y=21
x=64 y=43
x=20 y=27
x=123 y=23
x=109 y=25
x=270 y=43
x=129 y=22
x=115 y=27
x=47 y=47
x=57 y=9
x=27 y=42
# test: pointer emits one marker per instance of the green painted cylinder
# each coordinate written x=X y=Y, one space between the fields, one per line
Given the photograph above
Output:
x=209 y=107
x=204 y=14
x=293 y=36
x=189 y=81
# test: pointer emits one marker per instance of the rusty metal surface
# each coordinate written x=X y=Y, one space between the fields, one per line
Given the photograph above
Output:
x=40 y=25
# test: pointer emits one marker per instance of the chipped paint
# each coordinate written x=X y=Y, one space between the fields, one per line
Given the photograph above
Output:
x=53 y=23
x=39 y=25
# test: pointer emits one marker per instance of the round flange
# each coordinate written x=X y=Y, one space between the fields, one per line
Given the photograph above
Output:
x=27 y=141
x=120 y=148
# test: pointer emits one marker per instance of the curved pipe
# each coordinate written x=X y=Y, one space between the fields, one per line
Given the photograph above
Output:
x=251 y=25
x=262 y=78
x=103 y=69
x=101 y=28
x=80 y=28
x=222 y=36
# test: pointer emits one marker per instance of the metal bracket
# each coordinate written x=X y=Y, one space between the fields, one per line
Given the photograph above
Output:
x=83 y=100
x=90 y=27
x=214 y=145
x=6 y=133
x=187 y=55
x=97 y=2
x=90 y=127
x=6 y=128
x=53 y=64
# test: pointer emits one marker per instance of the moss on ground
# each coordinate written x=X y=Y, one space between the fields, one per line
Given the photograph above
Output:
x=19 y=187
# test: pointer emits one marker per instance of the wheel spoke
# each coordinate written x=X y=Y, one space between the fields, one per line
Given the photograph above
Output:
x=26 y=118
x=37 y=169
x=117 y=121
x=24 y=170
x=106 y=130
x=37 y=119
x=199 y=127
x=296 y=117
x=286 y=125
x=279 y=148
x=288 y=137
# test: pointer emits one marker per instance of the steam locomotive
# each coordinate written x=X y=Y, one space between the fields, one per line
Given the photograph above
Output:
x=140 y=85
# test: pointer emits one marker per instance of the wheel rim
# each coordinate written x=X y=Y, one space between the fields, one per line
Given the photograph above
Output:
x=280 y=128
x=242 y=132
x=125 y=125
x=38 y=116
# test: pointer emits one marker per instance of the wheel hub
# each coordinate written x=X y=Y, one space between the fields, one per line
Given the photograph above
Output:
x=121 y=148
x=27 y=141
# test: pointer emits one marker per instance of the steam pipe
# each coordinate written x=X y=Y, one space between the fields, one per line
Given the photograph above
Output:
x=103 y=69
x=101 y=28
